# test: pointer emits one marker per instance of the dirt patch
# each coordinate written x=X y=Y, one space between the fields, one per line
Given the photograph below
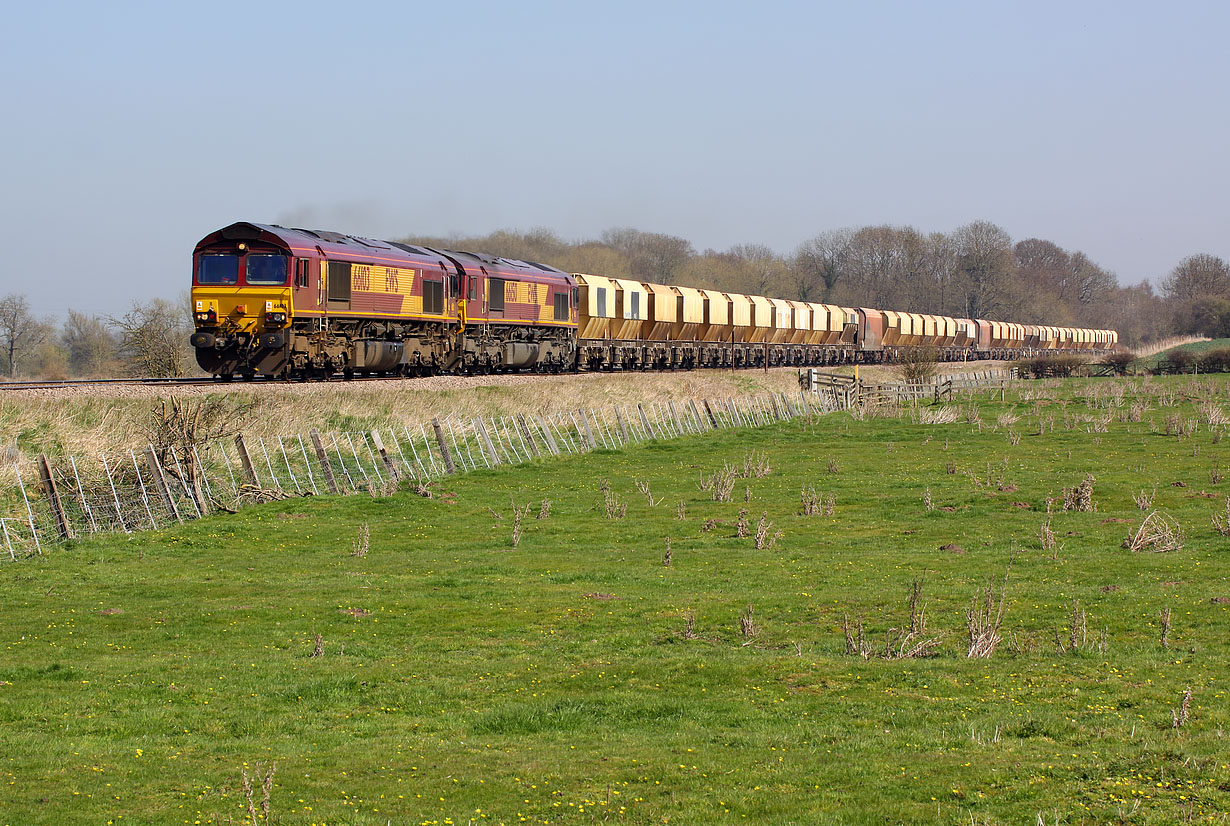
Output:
x=952 y=548
x=1115 y=521
x=1220 y=600
x=1172 y=584
x=1204 y=494
x=1107 y=589
x=110 y=612
x=1022 y=505
x=1178 y=484
x=1009 y=488
x=600 y=596
x=948 y=509
x=288 y=516
x=356 y=612
x=241 y=607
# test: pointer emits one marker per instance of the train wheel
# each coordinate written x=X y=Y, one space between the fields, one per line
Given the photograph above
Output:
x=249 y=375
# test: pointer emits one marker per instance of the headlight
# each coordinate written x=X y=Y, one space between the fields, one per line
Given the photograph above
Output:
x=208 y=317
x=275 y=318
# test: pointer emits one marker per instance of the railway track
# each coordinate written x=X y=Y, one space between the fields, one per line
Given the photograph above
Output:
x=44 y=384
x=203 y=381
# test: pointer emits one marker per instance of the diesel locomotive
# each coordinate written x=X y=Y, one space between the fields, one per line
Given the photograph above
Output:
x=281 y=302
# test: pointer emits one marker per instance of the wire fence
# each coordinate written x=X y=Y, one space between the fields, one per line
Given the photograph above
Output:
x=158 y=486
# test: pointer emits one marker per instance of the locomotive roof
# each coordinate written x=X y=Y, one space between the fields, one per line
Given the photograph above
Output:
x=337 y=244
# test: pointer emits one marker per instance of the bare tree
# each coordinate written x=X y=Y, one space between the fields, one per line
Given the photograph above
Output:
x=20 y=332
x=654 y=257
x=766 y=271
x=984 y=265
x=89 y=343
x=1197 y=276
x=154 y=338
x=819 y=263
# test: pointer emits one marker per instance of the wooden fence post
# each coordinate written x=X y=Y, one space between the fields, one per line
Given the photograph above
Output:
x=482 y=432
x=675 y=415
x=160 y=482
x=384 y=456
x=245 y=461
x=53 y=498
x=645 y=421
x=623 y=426
x=448 y=459
x=527 y=434
x=712 y=417
x=199 y=494
x=323 y=459
x=546 y=435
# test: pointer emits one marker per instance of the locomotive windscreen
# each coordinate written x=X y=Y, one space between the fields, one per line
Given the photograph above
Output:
x=218 y=269
x=266 y=270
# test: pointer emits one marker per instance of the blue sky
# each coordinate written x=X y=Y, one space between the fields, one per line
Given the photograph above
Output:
x=134 y=129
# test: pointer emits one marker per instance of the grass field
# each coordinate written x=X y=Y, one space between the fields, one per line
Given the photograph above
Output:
x=577 y=677
x=1198 y=348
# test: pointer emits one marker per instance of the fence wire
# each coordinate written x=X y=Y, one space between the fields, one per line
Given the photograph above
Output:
x=158 y=486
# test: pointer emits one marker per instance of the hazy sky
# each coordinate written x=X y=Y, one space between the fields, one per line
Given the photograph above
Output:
x=134 y=129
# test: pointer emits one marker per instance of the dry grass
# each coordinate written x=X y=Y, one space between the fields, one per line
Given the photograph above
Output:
x=983 y=621
x=611 y=505
x=748 y=629
x=86 y=421
x=362 y=542
x=258 y=812
x=939 y=415
x=766 y=537
x=721 y=483
x=817 y=504
x=519 y=514
x=1178 y=718
x=1221 y=521
x=907 y=642
x=1080 y=498
x=1158 y=533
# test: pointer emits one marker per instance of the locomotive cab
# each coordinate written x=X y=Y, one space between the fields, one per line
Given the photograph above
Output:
x=242 y=303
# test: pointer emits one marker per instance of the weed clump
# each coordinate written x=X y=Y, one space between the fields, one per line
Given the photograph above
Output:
x=910 y=642
x=613 y=508
x=1158 y=533
x=1080 y=498
x=1221 y=521
x=817 y=504
x=983 y=621
x=362 y=542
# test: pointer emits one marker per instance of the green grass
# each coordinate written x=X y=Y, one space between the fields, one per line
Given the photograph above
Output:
x=552 y=682
x=1197 y=347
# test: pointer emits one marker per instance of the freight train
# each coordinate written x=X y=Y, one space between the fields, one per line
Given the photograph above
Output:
x=280 y=302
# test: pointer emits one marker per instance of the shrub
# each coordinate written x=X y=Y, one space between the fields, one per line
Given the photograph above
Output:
x=1215 y=361
x=918 y=365
x=1181 y=360
x=1120 y=362
x=1057 y=366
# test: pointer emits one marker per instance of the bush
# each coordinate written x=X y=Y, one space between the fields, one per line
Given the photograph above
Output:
x=1120 y=362
x=1182 y=360
x=1216 y=361
x=1058 y=366
x=918 y=365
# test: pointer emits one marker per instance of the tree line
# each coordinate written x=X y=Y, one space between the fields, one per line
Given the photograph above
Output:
x=977 y=270
x=150 y=339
